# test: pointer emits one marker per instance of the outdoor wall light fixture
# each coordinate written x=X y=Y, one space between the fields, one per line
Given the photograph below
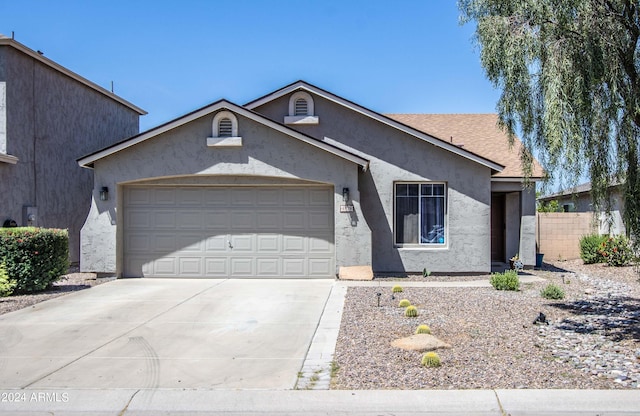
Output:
x=104 y=193
x=345 y=194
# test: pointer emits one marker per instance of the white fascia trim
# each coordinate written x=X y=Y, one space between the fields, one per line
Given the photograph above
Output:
x=397 y=125
x=86 y=162
x=46 y=61
x=12 y=160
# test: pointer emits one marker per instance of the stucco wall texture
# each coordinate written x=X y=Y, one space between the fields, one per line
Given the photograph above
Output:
x=52 y=120
x=395 y=156
x=181 y=156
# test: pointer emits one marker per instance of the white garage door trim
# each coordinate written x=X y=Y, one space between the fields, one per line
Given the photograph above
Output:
x=242 y=231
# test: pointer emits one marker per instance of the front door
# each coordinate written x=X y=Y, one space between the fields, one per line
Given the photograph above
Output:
x=497 y=228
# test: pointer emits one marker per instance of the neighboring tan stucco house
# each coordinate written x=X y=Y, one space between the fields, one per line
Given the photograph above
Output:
x=301 y=182
x=49 y=117
x=579 y=199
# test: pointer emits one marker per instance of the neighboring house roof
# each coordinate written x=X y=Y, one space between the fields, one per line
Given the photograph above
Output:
x=48 y=62
x=478 y=133
x=87 y=161
x=577 y=190
x=409 y=129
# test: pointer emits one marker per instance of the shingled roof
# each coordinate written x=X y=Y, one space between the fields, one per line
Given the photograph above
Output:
x=478 y=133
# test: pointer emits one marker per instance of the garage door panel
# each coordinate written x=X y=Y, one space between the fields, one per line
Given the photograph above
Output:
x=189 y=196
x=319 y=267
x=294 y=220
x=190 y=266
x=320 y=197
x=217 y=244
x=242 y=243
x=268 y=266
x=293 y=267
x=268 y=220
x=164 y=196
x=138 y=219
x=243 y=220
x=228 y=232
x=269 y=243
x=319 y=220
x=216 y=266
x=164 y=243
x=139 y=242
x=163 y=219
x=165 y=266
x=216 y=197
x=242 y=266
x=216 y=220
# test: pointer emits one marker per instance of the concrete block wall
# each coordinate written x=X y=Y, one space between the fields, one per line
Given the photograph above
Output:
x=558 y=233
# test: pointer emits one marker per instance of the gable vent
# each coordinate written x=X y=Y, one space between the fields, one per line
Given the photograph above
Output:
x=225 y=128
x=301 y=108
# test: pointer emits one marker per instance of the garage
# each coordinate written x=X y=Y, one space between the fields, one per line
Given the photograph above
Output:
x=222 y=231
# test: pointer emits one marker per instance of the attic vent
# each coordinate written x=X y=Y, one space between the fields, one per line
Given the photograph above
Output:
x=225 y=127
x=301 y=107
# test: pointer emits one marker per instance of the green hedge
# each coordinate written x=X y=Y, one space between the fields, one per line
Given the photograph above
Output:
x=34 y=257
x=590 y=248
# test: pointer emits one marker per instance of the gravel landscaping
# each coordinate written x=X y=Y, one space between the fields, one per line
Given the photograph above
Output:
x=592 y=340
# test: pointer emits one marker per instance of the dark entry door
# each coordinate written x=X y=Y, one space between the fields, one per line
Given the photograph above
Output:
x=497 y=227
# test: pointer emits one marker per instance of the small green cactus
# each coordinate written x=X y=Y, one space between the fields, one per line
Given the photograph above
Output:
x=397 y=289
x=411 y=311
x=431 y=359
x=404 y=303
x=423 y=329
x=426 y=273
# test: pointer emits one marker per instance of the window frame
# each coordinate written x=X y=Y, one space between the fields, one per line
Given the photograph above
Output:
x=419 y=196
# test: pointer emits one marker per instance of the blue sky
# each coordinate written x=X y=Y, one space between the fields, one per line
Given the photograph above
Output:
x=171 y=57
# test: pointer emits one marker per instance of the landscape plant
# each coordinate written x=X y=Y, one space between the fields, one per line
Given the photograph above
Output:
x=423 y=329
x=411 y=311
x=552 y=291
x=6 y=285
x=590 y=248
x=404 y=303
x=396 y=289
x=617 y=251
x=508 y=280
x=34 y=257
x=431 y=359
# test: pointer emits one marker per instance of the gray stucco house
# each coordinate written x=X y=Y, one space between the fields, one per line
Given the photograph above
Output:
x=301 y=182
x=49 y=117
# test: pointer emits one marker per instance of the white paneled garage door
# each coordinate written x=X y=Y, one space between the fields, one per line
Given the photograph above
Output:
x=228 y=232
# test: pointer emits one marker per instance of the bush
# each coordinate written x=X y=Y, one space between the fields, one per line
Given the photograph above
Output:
x=411 y=311
x=396 y=289
x=404 y=303
x=6 y=285
x=431 y=359
x=617 y=251
x=423 y=329
x=590 y=248
x=34 y=257
x=552 y=291
x=508 y=280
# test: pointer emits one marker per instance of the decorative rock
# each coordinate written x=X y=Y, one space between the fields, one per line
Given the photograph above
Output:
x=420 y=342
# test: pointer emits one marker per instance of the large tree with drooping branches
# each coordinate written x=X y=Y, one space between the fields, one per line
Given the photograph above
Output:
x=569 y=76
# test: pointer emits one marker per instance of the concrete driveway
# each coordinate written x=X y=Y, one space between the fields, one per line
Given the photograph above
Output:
x=165 y=333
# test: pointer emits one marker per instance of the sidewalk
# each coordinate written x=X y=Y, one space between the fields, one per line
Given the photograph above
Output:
x=315 y=403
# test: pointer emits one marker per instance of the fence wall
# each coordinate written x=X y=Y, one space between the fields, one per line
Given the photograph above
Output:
x=558 y=233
